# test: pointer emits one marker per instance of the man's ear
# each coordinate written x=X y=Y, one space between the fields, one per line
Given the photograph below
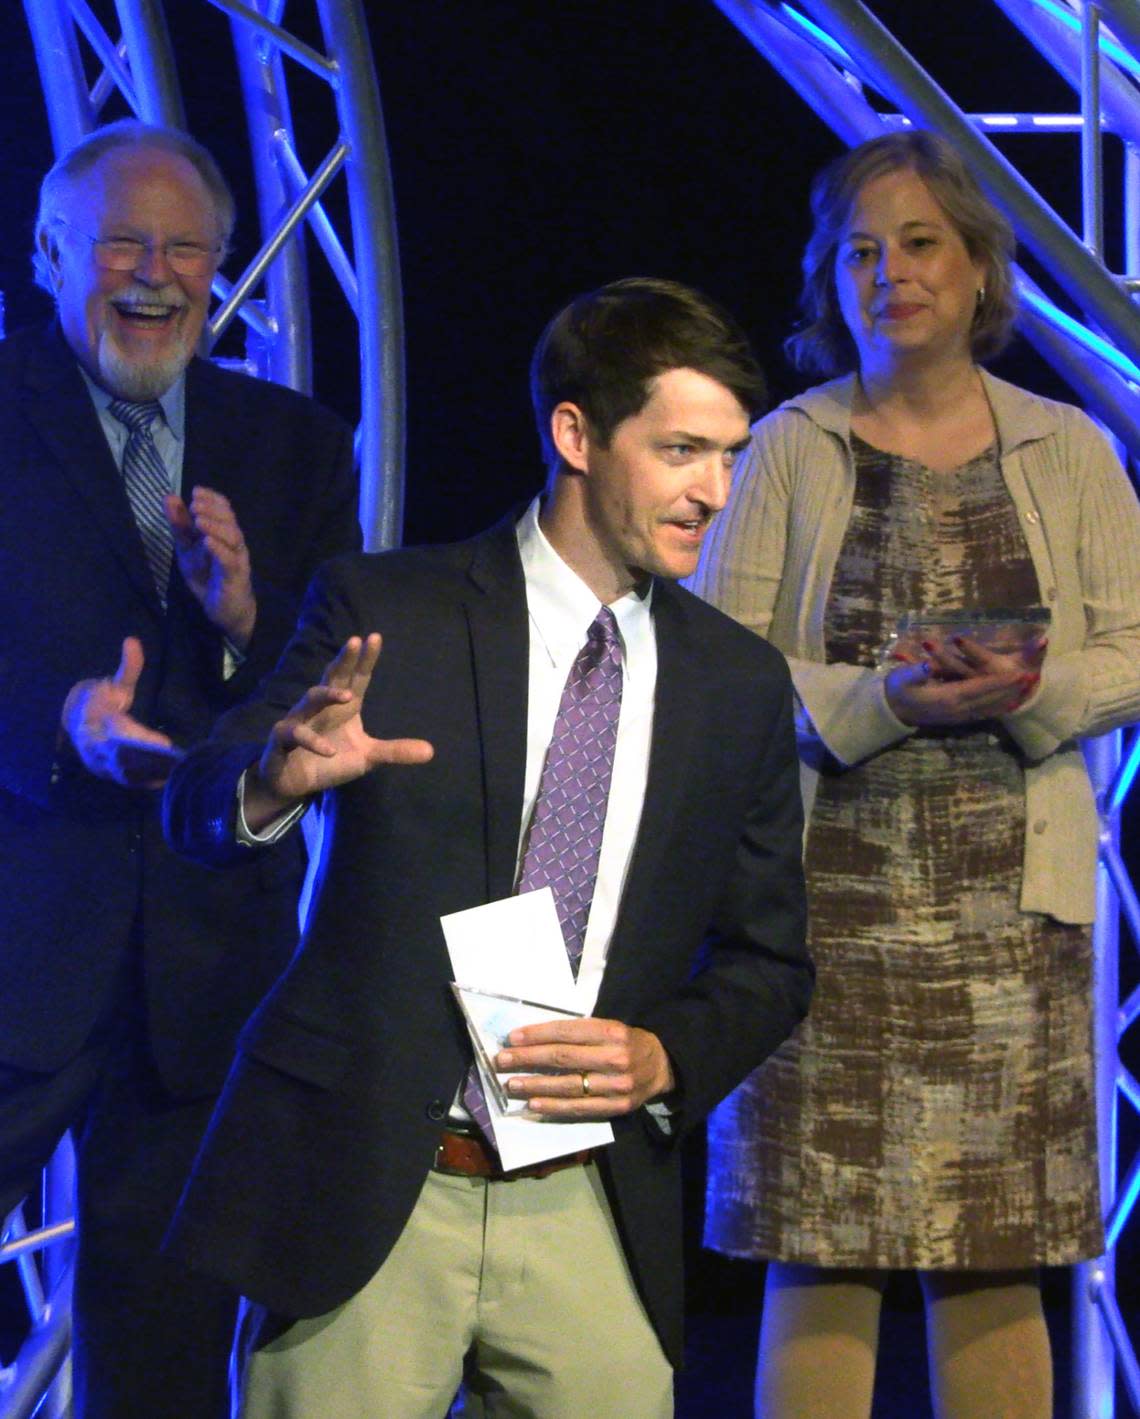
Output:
x=49 y=250
x=570 y=434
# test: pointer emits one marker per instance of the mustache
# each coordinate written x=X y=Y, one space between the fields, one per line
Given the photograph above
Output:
x=138 y=294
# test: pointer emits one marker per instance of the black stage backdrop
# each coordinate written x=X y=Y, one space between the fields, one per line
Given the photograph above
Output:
x=540 y=149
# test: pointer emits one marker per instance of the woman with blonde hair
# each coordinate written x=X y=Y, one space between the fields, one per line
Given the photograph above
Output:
x=952 y=567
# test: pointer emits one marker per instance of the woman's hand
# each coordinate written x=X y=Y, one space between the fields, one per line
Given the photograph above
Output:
x=961 y=682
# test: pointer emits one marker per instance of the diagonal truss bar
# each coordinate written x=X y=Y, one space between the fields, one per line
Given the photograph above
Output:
x=896 y=75
x=1124 y=18
x=105 y=50
x=251 y=312
x=1087 y=339
x=806 y=68
x=1101 y=390
x=1114 y=1323
x=37 y=1240
x=1129 y=1086
x=304 y=54
x=1129 y=906
x=323 y=229
x=276 y=240
x=1122 y=1207
x=1129 y=766
x=104 y=86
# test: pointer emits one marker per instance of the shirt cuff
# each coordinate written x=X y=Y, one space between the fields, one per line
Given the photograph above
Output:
x=232 y=658
x=273 y=831
x=662 y=1115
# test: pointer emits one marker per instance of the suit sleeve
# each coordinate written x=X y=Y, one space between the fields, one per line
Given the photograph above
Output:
x=200 y=800
x=755 y=980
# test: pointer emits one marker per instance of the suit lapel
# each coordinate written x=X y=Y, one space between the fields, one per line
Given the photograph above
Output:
x=678 y=718
x=58 y=406
x=500 y=647
x=216 y=447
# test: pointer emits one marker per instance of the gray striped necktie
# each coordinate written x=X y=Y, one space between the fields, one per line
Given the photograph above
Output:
x=147 y=483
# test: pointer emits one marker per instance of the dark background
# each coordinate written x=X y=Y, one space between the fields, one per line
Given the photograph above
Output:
x=539 y=149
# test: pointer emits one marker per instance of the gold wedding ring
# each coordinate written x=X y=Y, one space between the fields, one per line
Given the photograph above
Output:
x=585 y=1085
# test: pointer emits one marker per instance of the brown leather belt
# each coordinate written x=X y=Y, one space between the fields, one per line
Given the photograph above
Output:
x=467 y=1155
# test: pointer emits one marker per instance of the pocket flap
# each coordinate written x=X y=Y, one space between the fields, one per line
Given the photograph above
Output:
x=287 y=1044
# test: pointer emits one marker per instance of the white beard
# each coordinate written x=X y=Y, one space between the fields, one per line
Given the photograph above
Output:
x=131 y=379
x=128 y=377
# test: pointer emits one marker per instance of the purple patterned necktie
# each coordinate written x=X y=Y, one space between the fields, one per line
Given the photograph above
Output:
x=147 y=483
x=565 y=837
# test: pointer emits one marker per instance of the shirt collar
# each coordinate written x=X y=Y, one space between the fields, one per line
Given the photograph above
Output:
x=562 y=607
x=172 y=403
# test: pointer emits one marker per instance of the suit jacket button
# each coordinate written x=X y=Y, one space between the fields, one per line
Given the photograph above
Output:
x=437 y=1111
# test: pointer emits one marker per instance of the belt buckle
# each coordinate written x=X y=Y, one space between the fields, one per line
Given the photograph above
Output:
x=470 y=1158
x=439 y=1166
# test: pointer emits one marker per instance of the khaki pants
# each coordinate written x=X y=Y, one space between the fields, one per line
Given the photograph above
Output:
x=519 y=1287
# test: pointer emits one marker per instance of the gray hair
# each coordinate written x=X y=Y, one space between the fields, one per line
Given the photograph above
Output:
x=126 y=133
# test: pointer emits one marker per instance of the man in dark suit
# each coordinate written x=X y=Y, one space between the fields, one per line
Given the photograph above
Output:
x=345 y=1184
x=125 y=971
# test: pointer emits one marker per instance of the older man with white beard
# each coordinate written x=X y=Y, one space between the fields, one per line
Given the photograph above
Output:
x=162 y=514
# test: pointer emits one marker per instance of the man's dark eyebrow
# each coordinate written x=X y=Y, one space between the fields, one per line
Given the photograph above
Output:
x=697 y=440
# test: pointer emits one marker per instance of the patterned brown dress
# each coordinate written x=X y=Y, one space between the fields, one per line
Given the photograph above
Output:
x=935 y=1110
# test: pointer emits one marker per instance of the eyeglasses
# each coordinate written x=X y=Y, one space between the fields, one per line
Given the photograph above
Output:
x=187 y=258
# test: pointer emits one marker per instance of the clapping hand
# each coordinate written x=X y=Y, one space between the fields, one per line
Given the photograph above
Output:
x=214 y=561
x=321 y=742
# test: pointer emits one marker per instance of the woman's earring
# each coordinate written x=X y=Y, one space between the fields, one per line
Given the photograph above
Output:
x=981 y=298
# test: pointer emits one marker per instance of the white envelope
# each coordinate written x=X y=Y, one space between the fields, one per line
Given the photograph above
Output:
x=513 y=950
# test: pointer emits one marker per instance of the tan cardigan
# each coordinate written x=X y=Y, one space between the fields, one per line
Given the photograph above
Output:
x=769 y=558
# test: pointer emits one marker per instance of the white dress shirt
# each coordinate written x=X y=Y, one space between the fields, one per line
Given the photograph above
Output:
x=168 y=433
x=561 y=609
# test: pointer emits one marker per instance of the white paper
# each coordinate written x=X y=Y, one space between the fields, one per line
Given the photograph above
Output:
x=514 y=948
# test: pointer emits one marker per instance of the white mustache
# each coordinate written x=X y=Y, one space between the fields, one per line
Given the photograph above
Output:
x=138 y=294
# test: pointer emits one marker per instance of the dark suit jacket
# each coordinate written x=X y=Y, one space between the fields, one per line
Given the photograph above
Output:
x=330 y=1117
x=81 y=860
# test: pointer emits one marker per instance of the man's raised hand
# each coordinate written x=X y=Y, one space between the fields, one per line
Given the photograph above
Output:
x=321 y=742
x=111 y=743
